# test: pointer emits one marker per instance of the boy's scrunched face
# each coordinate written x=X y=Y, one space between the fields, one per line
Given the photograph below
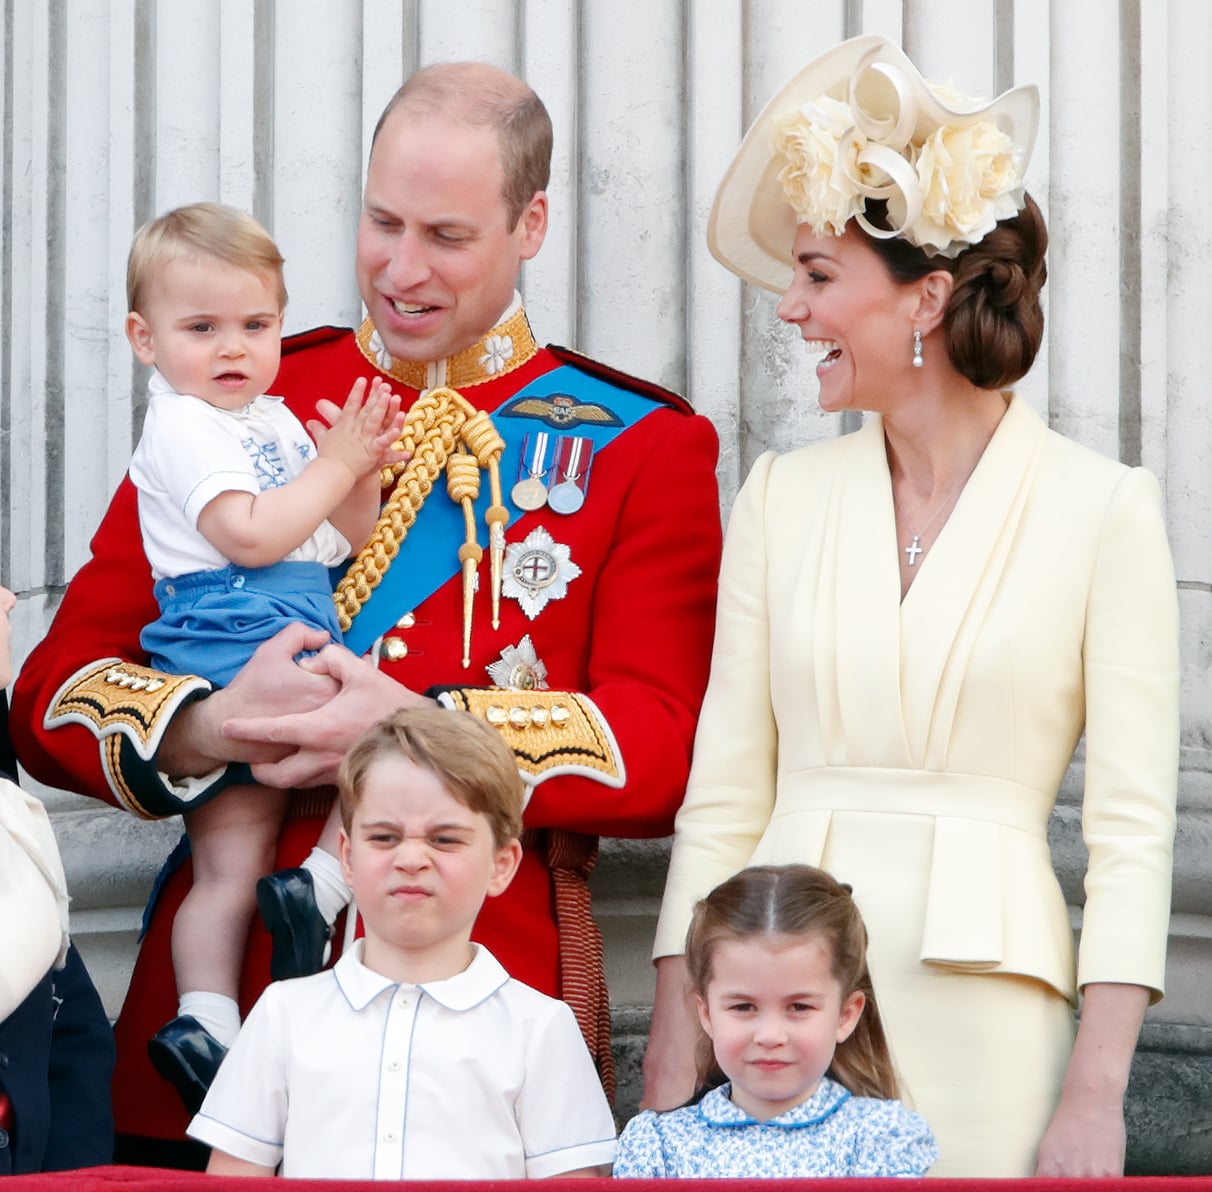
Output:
x=420 y=865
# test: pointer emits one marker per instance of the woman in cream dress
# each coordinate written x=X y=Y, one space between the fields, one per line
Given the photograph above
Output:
x=917 y=622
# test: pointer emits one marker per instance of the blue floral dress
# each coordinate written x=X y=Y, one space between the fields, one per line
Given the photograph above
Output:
x=831 y=1134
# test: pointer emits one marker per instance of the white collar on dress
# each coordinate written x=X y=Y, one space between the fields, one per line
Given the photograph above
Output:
x=718 y=1109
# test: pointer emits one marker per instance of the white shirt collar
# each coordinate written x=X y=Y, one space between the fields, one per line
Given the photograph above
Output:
x=479 y=980
x=156 y=385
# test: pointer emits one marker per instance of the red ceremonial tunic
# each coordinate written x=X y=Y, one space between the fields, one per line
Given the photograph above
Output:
x=633 y=632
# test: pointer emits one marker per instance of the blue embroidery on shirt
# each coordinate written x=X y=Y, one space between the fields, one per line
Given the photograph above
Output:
x=267 y=463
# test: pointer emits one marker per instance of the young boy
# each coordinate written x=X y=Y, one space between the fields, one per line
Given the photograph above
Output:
x=242 y=515
x=416 y=1056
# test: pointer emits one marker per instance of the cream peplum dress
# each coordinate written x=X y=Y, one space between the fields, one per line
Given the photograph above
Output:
x=915 y=751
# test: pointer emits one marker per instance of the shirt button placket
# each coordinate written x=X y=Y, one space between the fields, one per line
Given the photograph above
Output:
x=393 y=1083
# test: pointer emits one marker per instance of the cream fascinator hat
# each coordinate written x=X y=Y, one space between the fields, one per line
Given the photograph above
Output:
x=861 y=123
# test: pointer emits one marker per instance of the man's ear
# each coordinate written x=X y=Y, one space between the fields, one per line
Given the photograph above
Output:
x=505 y=864
x=533 y=222
x=140 y=336
x=933 y=296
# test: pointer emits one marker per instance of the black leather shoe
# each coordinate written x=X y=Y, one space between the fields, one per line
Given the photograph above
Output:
x=187 y=1055
x=287 y=902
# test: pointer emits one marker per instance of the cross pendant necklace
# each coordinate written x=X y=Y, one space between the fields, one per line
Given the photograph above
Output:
x=914 y=549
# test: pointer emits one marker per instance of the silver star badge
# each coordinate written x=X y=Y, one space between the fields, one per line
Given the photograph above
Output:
x=538 y=570
x=519 y=668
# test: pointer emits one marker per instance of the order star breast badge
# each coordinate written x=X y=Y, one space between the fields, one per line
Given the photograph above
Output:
x=537 y=570
x=519 y=668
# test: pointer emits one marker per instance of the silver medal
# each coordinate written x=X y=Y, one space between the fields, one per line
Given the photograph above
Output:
x=572 y=459
x=565 y=497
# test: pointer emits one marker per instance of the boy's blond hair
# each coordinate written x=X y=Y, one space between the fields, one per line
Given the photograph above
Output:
x=200 y=230
x=466 y=755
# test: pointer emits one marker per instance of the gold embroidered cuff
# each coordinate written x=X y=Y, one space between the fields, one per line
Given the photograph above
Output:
x=113 y=697
x=550 y=732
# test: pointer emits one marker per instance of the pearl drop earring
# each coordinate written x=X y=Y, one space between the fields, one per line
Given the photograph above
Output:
x=917 y=349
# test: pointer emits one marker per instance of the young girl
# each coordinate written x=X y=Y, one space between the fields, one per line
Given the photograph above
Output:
x=794 y=1073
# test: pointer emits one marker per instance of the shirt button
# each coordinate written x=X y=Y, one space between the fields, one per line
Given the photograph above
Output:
x=394 y=1066
x=389 y=1136
x=237 y=581
x=404 y=1001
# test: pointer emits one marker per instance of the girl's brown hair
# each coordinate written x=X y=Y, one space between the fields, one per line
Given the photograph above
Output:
x=796 y=900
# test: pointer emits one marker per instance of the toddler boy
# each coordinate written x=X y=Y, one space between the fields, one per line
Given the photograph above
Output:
x=242 y=515
x=416 y=1056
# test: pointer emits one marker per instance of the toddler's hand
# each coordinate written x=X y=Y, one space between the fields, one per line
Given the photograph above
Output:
x=361 y=433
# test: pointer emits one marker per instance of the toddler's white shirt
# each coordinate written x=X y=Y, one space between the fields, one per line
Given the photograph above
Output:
x=191 y=451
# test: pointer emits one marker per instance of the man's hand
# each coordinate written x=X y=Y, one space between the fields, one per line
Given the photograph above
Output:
x=310 y=744
x=360 y=434
x=270 y=684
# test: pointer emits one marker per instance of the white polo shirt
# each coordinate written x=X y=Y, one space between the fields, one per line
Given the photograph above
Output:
x=346 y=1075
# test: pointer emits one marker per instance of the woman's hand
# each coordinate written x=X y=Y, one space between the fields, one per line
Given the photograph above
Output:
x=1086 y=1136
x=669 y=1067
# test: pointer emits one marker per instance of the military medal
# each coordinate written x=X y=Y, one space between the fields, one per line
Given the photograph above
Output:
x=530 y=492
x=537 y=570
x=573 y=455
x=519 y=668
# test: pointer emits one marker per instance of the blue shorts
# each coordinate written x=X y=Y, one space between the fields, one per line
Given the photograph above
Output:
x=211 y=621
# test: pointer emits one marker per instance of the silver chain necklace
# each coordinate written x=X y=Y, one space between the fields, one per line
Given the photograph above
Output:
x=913 y=549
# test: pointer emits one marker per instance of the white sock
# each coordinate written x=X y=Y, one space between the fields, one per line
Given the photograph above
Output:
x=332 y=894
x=220 y=1015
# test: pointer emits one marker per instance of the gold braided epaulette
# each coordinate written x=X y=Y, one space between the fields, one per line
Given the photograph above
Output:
x=114 y=697
x=549 y=732
x=443 y=432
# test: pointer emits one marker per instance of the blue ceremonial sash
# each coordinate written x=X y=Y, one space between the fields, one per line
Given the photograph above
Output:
x=429 y=555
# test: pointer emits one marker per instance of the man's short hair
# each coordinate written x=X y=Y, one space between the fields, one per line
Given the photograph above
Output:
x=464 y=753
x=199 y=231
x=482 y=96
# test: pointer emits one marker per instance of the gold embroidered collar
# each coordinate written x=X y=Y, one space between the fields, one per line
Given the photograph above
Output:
x=506 y=347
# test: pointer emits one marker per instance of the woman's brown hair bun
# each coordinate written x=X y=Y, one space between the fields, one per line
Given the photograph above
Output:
x=994 y=323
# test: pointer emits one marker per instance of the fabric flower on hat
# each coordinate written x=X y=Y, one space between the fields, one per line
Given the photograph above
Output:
x=814 y=179
x=970 y=179
x=945 y=189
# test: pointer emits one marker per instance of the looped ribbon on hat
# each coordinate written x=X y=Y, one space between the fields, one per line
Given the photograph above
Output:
x=879 y=142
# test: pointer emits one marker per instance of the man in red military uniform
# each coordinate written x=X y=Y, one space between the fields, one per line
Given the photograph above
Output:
x=592 y=605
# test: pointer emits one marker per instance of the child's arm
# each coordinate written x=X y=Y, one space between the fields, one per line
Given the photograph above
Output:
x=221 y=1163
x=257 y=529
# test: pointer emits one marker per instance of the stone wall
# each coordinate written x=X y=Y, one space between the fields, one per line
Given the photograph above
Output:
x=112 y=110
